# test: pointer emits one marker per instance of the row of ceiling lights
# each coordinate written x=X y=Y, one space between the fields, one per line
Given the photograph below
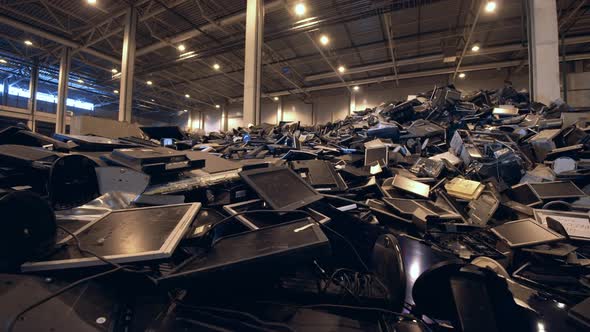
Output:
x=300 y=9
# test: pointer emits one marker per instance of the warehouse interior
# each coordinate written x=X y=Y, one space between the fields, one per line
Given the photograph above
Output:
x=295 y=165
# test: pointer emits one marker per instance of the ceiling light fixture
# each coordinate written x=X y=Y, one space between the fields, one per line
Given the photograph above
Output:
x=475 y=47
x=216 y=66
x=185 y=111
x=356 y=88
x=341 y=69
x=149 y=82
x=217 y=106
x=91 y=2
x=300 y=9
x=462 y=75
x=116 y=92
x=181 y=47
x=28 y=42
x=3 y=61
x=114 y=70
x=187 y=95
x=324 y=40
x=491 y=6
x=80 y=81
x=275 y=98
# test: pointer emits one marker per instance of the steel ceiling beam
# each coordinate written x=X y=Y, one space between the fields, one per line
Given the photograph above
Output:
x=54 y=38
x=468 y=41
x=439 y=57
x=192 y=33
x=388 y=27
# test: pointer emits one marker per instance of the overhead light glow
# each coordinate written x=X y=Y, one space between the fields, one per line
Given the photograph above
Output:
x=356 y=88
x=28 y=42
x=216 y=66
x=185 y=111
x=324 y=40
x=462 y=75
x=149 y=82
x=91 y=2
x=114 y=70
x=341 y=69
x=181 y=47
x=152 y=100
x=475 y=48
x=80 y=81
x=300 y=9
x=187 y=95
x=116 y=92
x=491 y=6
x=217 y=106
x=3 y=61
x=275 y=98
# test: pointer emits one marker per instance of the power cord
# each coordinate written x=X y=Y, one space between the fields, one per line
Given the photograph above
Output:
x=117 y=267
x=11 y=322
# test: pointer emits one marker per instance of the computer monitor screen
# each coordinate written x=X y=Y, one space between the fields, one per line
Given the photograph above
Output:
x=566 y=189
x=525 y=232
x=280 y=187
x=524 y=194
x=123 y=236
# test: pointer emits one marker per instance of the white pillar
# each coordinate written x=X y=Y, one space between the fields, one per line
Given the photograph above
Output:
x=352 y=102
x=253 y=61
x=544 y=50
x=33 y=85
x=62 y=91
x=224 y=118
x=127 y=66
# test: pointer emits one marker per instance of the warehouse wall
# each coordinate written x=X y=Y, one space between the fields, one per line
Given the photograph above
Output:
x=332 y=105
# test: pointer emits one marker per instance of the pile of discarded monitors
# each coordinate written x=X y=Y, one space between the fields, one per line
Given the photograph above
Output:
x=312 y=217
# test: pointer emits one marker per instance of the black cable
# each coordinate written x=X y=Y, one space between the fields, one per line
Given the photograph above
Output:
x=346 y=200
x=10 y=324
x=358 y=256
x=230 y=320
x=341 y=306
x=82 y=250
x=246 y=314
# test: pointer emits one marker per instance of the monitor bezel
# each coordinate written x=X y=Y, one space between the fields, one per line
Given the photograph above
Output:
x=247 y=177
x=165 y=250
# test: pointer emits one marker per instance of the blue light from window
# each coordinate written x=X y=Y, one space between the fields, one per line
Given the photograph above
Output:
x=14 y=91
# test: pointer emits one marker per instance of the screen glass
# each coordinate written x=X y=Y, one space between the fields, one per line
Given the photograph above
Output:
x=557 y=189
x=281 y=188
x=524 y=232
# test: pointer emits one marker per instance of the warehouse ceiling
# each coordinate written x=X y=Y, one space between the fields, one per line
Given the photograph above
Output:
x=195 y=48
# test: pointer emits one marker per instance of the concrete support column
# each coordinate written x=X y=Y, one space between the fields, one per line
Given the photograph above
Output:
x=224 y=119
x=193 y=120
x=253 y=61
x=6 y=86
x=543 y=50
x=201 y=120
x=33 y=85
x=352 y=103
x=280 y=110
x=62 y=91
x=128 y=66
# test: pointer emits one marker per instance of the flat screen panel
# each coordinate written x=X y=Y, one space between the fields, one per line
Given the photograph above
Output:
x=564 y=189
x=123 y=236
x=525 y=232
x=280 y=187
x=411 y=186
x=524 y=194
